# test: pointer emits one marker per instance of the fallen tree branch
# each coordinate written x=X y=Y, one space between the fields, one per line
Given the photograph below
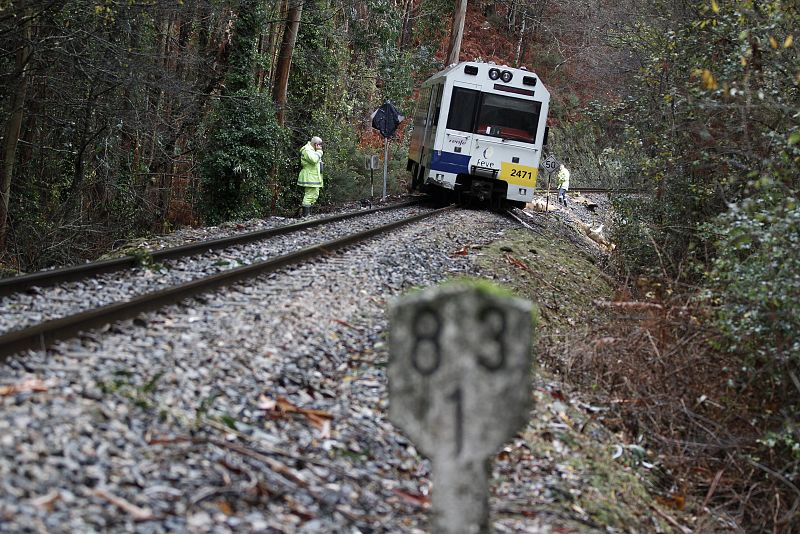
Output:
x=638 y=305
x=775 y=474
x=671 y=520
x=138 y=513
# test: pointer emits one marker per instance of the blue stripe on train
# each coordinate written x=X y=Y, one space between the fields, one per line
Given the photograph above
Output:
x=449 y=162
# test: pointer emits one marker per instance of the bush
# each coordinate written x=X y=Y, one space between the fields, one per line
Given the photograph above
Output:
x=754 y=278
x=590 y=161
x=246 y=148
x=710 y=133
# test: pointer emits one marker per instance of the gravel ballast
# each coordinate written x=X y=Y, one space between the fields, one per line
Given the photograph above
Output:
x=35 y=305
x=261 y=408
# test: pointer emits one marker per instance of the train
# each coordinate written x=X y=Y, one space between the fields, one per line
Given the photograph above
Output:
x=478 y=133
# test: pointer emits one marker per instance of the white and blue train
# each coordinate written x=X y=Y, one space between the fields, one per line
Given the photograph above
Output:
x=479 y=129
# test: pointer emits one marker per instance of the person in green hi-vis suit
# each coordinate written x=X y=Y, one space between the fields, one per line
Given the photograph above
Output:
x=563 y=184
x=310 y=178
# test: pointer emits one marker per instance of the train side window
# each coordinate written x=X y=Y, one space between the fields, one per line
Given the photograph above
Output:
x=437 y=99
x=421 y=111
x=462 y=109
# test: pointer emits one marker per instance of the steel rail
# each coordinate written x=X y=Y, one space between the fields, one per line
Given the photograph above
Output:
x=42 y=335
x=596 y=190
x=512 y=213
x=85 y=270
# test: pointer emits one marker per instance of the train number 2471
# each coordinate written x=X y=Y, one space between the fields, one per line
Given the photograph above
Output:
x=519 y=173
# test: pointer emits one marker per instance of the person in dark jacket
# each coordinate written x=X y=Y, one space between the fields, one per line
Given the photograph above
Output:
x=310 y=178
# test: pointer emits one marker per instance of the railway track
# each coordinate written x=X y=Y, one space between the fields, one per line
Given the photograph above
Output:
x=593 y=190
x=41 y=334
x=79 y=272
x=165 y=413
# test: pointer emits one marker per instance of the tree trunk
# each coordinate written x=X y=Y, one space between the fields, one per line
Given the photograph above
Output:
x=454 y=49
x=512 y=16
x=518 y=57
x=261 y=73
x=14 y=125
x=536 y=15
x=275 y=35
x=285 y=59
x=406 y=34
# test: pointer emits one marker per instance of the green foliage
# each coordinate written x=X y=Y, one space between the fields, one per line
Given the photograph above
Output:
x=346 y=177
x=711 y=131
x=139 y=114
x=251 y=15
x=327 y=103
x=206 y=403
x=708 y=118
x=320 y=103
x=246 y=146
x=430 y=29
x=786 y=438
x=591 y=163
x=755 y=289
x=754 y=278
x=396 y=71
x=125 y=384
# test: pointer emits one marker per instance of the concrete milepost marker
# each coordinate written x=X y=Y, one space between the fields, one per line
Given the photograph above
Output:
x=459 y=387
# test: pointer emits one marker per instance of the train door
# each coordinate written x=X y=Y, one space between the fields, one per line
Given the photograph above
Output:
x=431 y=127
x=458 y=137
x=420 y=125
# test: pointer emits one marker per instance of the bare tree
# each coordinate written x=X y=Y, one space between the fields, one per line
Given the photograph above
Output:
x=521 y=40
x=280 y=90
x=409 y=13
x=454 y=49
x=14 y=124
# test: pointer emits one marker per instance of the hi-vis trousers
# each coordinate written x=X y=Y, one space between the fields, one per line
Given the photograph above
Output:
x=310 y=197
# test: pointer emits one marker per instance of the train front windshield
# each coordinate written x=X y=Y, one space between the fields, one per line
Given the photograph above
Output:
x=501 y=116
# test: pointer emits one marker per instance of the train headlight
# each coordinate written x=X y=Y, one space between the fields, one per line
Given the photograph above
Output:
x=494 y=74
x=506 y=76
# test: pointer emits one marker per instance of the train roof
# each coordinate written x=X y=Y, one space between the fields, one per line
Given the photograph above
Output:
x=520 y=76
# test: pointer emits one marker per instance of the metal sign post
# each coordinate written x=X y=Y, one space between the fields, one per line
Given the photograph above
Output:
x=385 y=119
x=385 y=165
x=547 y=194
x=459 y=387
x=550 y=164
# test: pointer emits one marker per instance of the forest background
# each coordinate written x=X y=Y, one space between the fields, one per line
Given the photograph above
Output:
x=127 y=117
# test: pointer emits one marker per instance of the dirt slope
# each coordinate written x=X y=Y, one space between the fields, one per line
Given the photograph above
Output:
x=573 y=467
